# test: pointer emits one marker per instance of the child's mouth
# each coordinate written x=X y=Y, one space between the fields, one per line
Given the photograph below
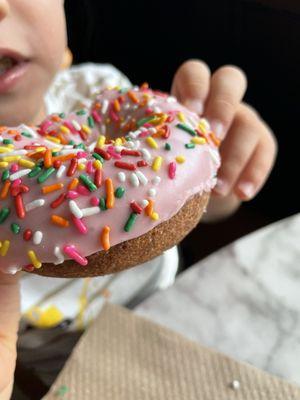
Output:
x=12 y=69
x=6 y=63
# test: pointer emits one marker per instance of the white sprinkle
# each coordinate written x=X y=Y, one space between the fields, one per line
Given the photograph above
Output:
x=130 y=144
x=37 y=237
x=142 y=178
x=14 y=153
x=214 y=155
x=92 y=146
x=157 y=110
x=34 y=204
x=151 y=102
x=75 y=210
x=104 y=106
x=1 y=139
x=118 y=149
x=59 y=255
x=121 y=176
x=65 y=151
x=146 y=154
x=152 y=130
x=76 y=125
x=52 y=145
x=135 y=107
x=144 y=203
x=156 y=180
x=235 y=384
x=12 y=270
x=134 y=134
x=134 y=180
x=87 y=212
x=82 y=160
x=152 y=192
x=171 y=99
x=60 y=171
x=19 y=174
x=126 y=106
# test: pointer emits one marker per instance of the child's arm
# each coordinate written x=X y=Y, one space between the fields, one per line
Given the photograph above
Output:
x=9 y=320
x=248 y=147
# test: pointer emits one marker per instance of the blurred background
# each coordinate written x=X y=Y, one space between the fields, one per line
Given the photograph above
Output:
x=148 y=40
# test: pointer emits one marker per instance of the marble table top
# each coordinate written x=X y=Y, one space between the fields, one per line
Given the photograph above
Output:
x=243 y=300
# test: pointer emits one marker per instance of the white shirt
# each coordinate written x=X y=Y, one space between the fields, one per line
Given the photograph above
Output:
x=45 y=302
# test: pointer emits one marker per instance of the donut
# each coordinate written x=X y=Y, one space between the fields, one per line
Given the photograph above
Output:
x=105 y=187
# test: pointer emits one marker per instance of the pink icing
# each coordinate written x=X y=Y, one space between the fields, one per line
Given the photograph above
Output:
x=178 y=181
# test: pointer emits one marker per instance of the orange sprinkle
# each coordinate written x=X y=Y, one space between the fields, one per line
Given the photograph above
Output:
x=214 y=139
x=104 y=238
x=3 y=129
x=60 y=221
x=52 y=188
x=63 y=158
x=36 y=154
x=110 y=196
x=12 y=132
x=133 y=97
x=48 y=158
x=62 y=139
x=5 y=189
x=55 y=118
x=116 y=105
x=97 y=105
x=73 y=184
x=149 y=207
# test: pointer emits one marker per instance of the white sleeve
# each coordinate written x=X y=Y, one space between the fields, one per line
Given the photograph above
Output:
x=79 y=85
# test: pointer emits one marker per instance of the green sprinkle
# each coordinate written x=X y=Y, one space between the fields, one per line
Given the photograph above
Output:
x=167 y=146
x=91 y=122
x=5 y=175
x=26 y=134
x=81 y=112
x=7 y=141
x=123 y=90
x=119 y=192
x=98 y=157
x=186 y=129
x=46 y=174
x=71 y=142
x=34 y=172
x=128 y=138
x=62 y=115
x=143 y=121
x=55 y=153
x=102 y=204
x=15 y=228
x=130 y=222
x=87 y=182
x=80 y=146
x=4 y=213
x=190 y=145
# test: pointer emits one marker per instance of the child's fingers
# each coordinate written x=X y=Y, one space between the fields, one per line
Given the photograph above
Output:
x=258 y=167
x=191 y=84
x=236 y=150
x=228 y=86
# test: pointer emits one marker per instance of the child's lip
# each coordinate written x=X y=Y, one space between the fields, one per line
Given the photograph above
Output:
x=13 y=75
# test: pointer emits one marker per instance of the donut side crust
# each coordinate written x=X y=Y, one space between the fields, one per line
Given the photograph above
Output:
x=135 y=251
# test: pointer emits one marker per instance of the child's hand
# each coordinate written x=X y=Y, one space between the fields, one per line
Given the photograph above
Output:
x=249 y=147
x=9 y=320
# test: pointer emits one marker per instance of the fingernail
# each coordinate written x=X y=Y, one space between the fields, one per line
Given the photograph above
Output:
x=195 y=105
x=218 y=129
x=247 y=188
x=221 y=187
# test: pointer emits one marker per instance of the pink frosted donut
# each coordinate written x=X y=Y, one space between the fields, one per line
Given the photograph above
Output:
x=105 y=188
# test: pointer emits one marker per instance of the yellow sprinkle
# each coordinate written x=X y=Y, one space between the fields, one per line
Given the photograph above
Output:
x=180 y=159
x=97 y=164
x=203 y=126
x=86 y=129
x=11 y=158
x=3 y=164
x=10 y=146
x=119 y=142
x=157 y=163
x=152 y=143
x=154 y=216
x=81 y=167
x=100 y=141
x=64 y=129
x=53 y=139
x=4 y=248
x=198 y=140
x=181 y=116
x=34 y=260
x=4 y=149
x=26 y=163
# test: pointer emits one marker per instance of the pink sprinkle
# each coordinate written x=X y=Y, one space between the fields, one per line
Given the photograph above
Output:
x=111 y=150
x=83 y=190
x=72 y=252
x=70 y=126
x=72 y=194
x=89 y=168
x=17 y=182
x=147 y=125
x=96 y=116
x=144 y=134
x=172 y=170
x=14 y=168
x=94 y=201
x=113 y=115
x=45 y=125
x=81 y=154
x=79 y=225
x=148 y=111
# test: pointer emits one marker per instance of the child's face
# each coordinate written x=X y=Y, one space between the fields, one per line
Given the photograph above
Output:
x=32 y=44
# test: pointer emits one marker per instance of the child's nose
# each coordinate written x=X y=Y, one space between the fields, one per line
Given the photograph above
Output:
x=4 y=9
